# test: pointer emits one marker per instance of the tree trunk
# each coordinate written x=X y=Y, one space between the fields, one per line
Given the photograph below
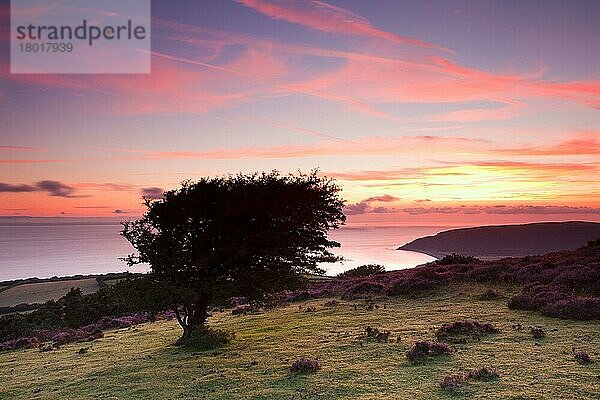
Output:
x=192 y=320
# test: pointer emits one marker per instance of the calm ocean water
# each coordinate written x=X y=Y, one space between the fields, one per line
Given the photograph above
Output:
x=46 y=250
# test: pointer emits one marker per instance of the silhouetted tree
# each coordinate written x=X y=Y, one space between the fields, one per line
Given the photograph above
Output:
x=243 y=235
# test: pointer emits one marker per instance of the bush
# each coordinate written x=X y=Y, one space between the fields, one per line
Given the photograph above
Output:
x=489 y=294
x=484 y=374
x=377 y=335
x=582 y=357
x=305 y=366
x=453 y=382
x=206 y=339
x=411 y=286
x=363 y=270
x=454 y=258
x=460 y=331
x=424 y=349
x=578 y=308
x=537 y=332
x=365 y=288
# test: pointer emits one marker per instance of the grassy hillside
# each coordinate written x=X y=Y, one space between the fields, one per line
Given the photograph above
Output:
x=141 y=362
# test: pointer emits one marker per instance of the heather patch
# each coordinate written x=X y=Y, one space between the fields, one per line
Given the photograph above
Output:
x=461 y=331
x=582 y=357
x=423 y=350
x=305 y=366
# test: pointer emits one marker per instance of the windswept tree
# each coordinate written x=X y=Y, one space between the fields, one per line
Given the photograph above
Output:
x=242 y=235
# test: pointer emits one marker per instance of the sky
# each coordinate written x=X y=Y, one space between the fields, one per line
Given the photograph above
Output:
x=426 y=112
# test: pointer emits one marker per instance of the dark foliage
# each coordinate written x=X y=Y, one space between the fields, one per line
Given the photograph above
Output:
x=363 y=270
x=23 y=307
x=424 y=349
x=362 y=289
x=484 y=374
x=452 y=259
x=564 y=284
x=537 y=332
x=592 y=243
x=60 y=336
x=74 y=310
x=582 y=357
x=242 y=235
x=206 y=339
x=376 y=335
x=489 y=295
x=305 y=366
x=453 y=382
x=460 y=331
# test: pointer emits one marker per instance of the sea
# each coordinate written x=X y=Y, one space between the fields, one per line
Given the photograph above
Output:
x=37 y=247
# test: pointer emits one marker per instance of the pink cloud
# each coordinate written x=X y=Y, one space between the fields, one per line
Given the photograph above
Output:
x=502 y=210
x=21 y=148
x=325 y=17
x=373 y=145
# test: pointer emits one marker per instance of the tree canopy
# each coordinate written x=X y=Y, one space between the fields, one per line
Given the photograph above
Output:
x=242 y=235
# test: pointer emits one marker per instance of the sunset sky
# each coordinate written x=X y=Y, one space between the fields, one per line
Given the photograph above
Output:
x=426 y=112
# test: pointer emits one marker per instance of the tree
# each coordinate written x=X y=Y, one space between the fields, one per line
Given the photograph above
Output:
x=242 y=235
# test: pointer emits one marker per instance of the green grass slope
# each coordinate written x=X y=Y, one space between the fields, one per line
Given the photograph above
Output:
x=142 y=362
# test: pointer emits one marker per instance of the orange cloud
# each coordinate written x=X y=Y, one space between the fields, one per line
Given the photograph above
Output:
x=585 y=143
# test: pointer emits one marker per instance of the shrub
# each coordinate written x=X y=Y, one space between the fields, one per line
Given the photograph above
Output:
x=305 y=366
x=460 y=331
x=411 y=286
x=21 y=343
x=299 y=295
x=365 y=288
x=594 y=243
x=453 y=382
x=578 y=308
x=377 y=335
x=424 y=349
x=206 y=339
x=489 y=294
x=454 y=258
x=484 y=374
x=537 y=332
x=363 y=270
x=582 y=357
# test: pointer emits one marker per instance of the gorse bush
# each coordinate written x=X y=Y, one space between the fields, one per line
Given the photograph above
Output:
x=363 y=270
x=422 y=350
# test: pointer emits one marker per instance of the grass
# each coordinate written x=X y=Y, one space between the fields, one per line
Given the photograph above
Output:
x=142 y=362
x=44 y=291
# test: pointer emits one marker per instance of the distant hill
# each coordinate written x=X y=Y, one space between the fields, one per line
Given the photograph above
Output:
x=507 y=240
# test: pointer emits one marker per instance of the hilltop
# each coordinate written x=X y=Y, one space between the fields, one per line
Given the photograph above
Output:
x=507 y=240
